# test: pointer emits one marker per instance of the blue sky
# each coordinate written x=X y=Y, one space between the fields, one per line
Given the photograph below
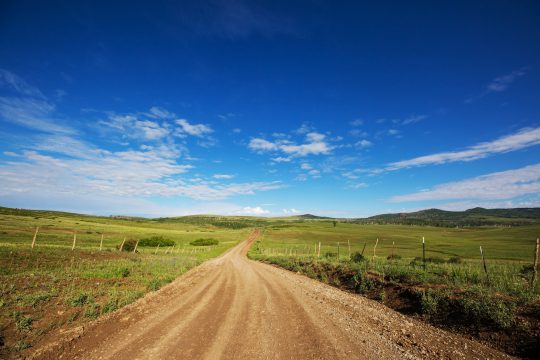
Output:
x=348 y=108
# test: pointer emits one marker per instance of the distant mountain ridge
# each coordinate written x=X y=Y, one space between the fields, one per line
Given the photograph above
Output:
x=473 y=217
x=433 y=217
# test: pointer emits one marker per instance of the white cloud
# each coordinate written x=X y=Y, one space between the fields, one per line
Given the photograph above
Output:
x=306 y=166
x=501 y=83
x=197 y=130
x=315 y=137
x=131 y=126
x=363 y=143
x=257 y=211
x=160 y=113
x=357 y=186
x=495 y=186
x=281 y=159
x=151 y=171
x=523 y=138
x=261 y=145
x=315 y=145
x=290 y=211
x=223 y=176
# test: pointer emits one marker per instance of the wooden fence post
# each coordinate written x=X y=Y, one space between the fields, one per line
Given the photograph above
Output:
x=136 y=245
x=101 y=243
x=35 y=237
x=319 y=251
x=535 y=264
x=424 y=252
x=484 y=262
x=375 y=249
x=392 y=255
x=157 y=248
x=338 y=251
x=74 y=240
x=364 y=248
x=349 y=243
x=122 y=245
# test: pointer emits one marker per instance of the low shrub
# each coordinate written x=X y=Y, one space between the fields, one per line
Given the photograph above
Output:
x=357 y=257
x=204 y=242
x=481 y=308
x=393 y=257
x=155 y=241
x=330 y=254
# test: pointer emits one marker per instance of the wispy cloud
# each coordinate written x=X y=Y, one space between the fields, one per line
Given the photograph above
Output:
x=27 y=106
x=413 y=119
x=315 y=144
x=363 y=144
x=523 y=138
x=197 y=130
x=499 y=84
x=223 y=176
x=256 y=211
x=32 y=113
x=290 y=211
x=11 y=81
x=495 y=186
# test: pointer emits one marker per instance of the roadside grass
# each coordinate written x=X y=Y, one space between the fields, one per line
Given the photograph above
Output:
x=52 y=288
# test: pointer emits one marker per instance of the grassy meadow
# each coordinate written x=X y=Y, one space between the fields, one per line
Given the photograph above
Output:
x=54 y=288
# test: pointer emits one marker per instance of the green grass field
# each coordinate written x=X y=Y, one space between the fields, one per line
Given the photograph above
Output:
x=499 y=243
x=53 y=287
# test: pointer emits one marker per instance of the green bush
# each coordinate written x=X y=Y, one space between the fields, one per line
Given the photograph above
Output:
x=155 y=241
x=204 y=242
x=357 y=257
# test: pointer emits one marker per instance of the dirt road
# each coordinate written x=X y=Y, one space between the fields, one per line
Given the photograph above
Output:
x=235 y=308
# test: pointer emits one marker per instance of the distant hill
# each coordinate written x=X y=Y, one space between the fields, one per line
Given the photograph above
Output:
x=311 y=217
x=473 y=217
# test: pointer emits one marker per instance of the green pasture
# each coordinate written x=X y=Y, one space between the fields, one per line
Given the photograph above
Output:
x=499 y=243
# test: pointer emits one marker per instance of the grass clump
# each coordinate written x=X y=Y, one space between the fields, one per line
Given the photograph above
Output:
x=22 y=322
x=79 y=299
x=204 y=242
x=154 y=241
x=22 y=345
